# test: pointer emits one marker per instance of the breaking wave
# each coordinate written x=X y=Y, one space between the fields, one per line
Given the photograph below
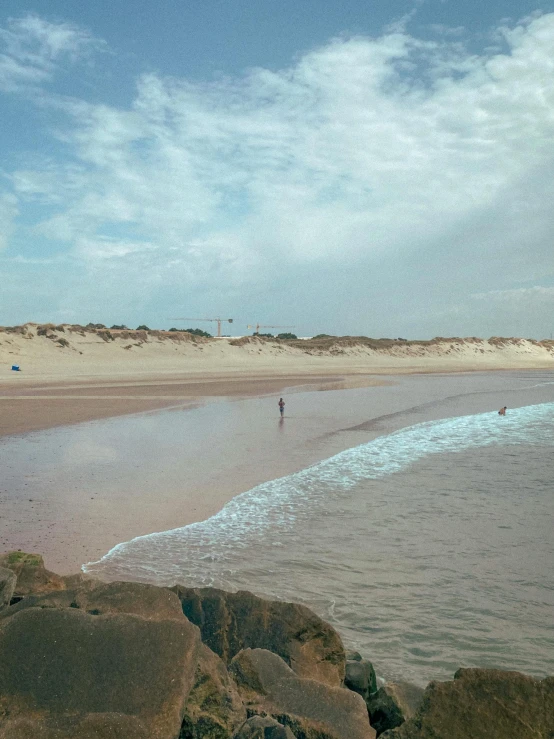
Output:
x=199 y=550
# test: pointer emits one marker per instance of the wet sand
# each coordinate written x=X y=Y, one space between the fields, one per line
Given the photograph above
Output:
x=34 y=406
x=74 y=492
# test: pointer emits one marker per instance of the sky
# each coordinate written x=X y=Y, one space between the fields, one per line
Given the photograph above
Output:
x=357 y=168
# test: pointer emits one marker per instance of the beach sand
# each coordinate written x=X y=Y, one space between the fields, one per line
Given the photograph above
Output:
x=177 y=430
x=31 y=406
x=70 y=374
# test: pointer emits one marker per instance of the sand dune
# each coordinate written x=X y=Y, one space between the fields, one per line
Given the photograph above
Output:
x=50 y=353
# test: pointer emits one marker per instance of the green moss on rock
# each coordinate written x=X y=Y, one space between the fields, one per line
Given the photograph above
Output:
x=33 y=560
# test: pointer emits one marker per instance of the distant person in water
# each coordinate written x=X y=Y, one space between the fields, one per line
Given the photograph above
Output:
x=281 y=407
x=502 y=411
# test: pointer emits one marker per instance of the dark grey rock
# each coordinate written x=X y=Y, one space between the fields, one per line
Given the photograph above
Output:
x=360 y=677
x=263 y=727
x=393 y=704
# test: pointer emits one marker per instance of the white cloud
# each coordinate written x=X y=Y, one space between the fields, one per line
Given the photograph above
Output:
x=14 y=75
x=364 y=150
x=538 y=295
x=102 y=249
x=31 y=49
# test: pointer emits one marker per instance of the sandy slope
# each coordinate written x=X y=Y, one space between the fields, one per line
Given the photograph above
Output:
x=65 y=352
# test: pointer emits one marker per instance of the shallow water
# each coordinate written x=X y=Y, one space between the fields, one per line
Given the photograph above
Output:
x=428 y=547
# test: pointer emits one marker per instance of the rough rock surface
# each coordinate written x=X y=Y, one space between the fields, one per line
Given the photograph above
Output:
x=360 y=677
x=263 y=727
x=214 y=709
x=66 y=673
x=101 y=599
x=31 y=574
x=483 y=704
x=393 y=704
x=7 y=586
x=311 y=709
x=230 y=622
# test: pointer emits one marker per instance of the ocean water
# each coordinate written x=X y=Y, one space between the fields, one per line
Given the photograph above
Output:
x=428 y=548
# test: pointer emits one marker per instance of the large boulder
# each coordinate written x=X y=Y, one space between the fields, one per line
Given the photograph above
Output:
x=263 y=727
x=214 y=709
x=230 y=622
x=312 y=710
x=100 y=599
x=147 y=601
x=7 y=586
x=31 y=574
x=102 y=674
x=483 y=704
x=393 y=704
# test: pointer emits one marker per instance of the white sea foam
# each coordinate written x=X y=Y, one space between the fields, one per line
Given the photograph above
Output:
x=168 y=556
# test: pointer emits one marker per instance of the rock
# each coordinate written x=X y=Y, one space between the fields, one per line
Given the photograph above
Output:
x=31 y=574
x=214 y=709
x=393 y=704
x=312 y=710
x=100 y=599
x=230 y=622
x=352 y=656
x=79 y=580
x=55 y=599
x=483 y=704
x=147 y=601
x=408 y=697
x=7 y=586
x=76 y=727
x=360 y=677
x=66 y=673
x=263 y=727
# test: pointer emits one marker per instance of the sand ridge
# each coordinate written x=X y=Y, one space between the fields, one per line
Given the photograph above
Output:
x=46 y=353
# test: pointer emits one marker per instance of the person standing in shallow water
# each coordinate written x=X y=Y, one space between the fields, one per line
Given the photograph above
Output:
x=502 y=411
x=281 y=407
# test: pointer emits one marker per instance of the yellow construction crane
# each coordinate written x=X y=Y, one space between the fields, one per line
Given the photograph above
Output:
x=219 y=321
x=258 y=326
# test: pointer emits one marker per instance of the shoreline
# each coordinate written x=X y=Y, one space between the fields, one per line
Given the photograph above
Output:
x=38 y=405
x=74 y=492
x=42 y=403
x=72 y=523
